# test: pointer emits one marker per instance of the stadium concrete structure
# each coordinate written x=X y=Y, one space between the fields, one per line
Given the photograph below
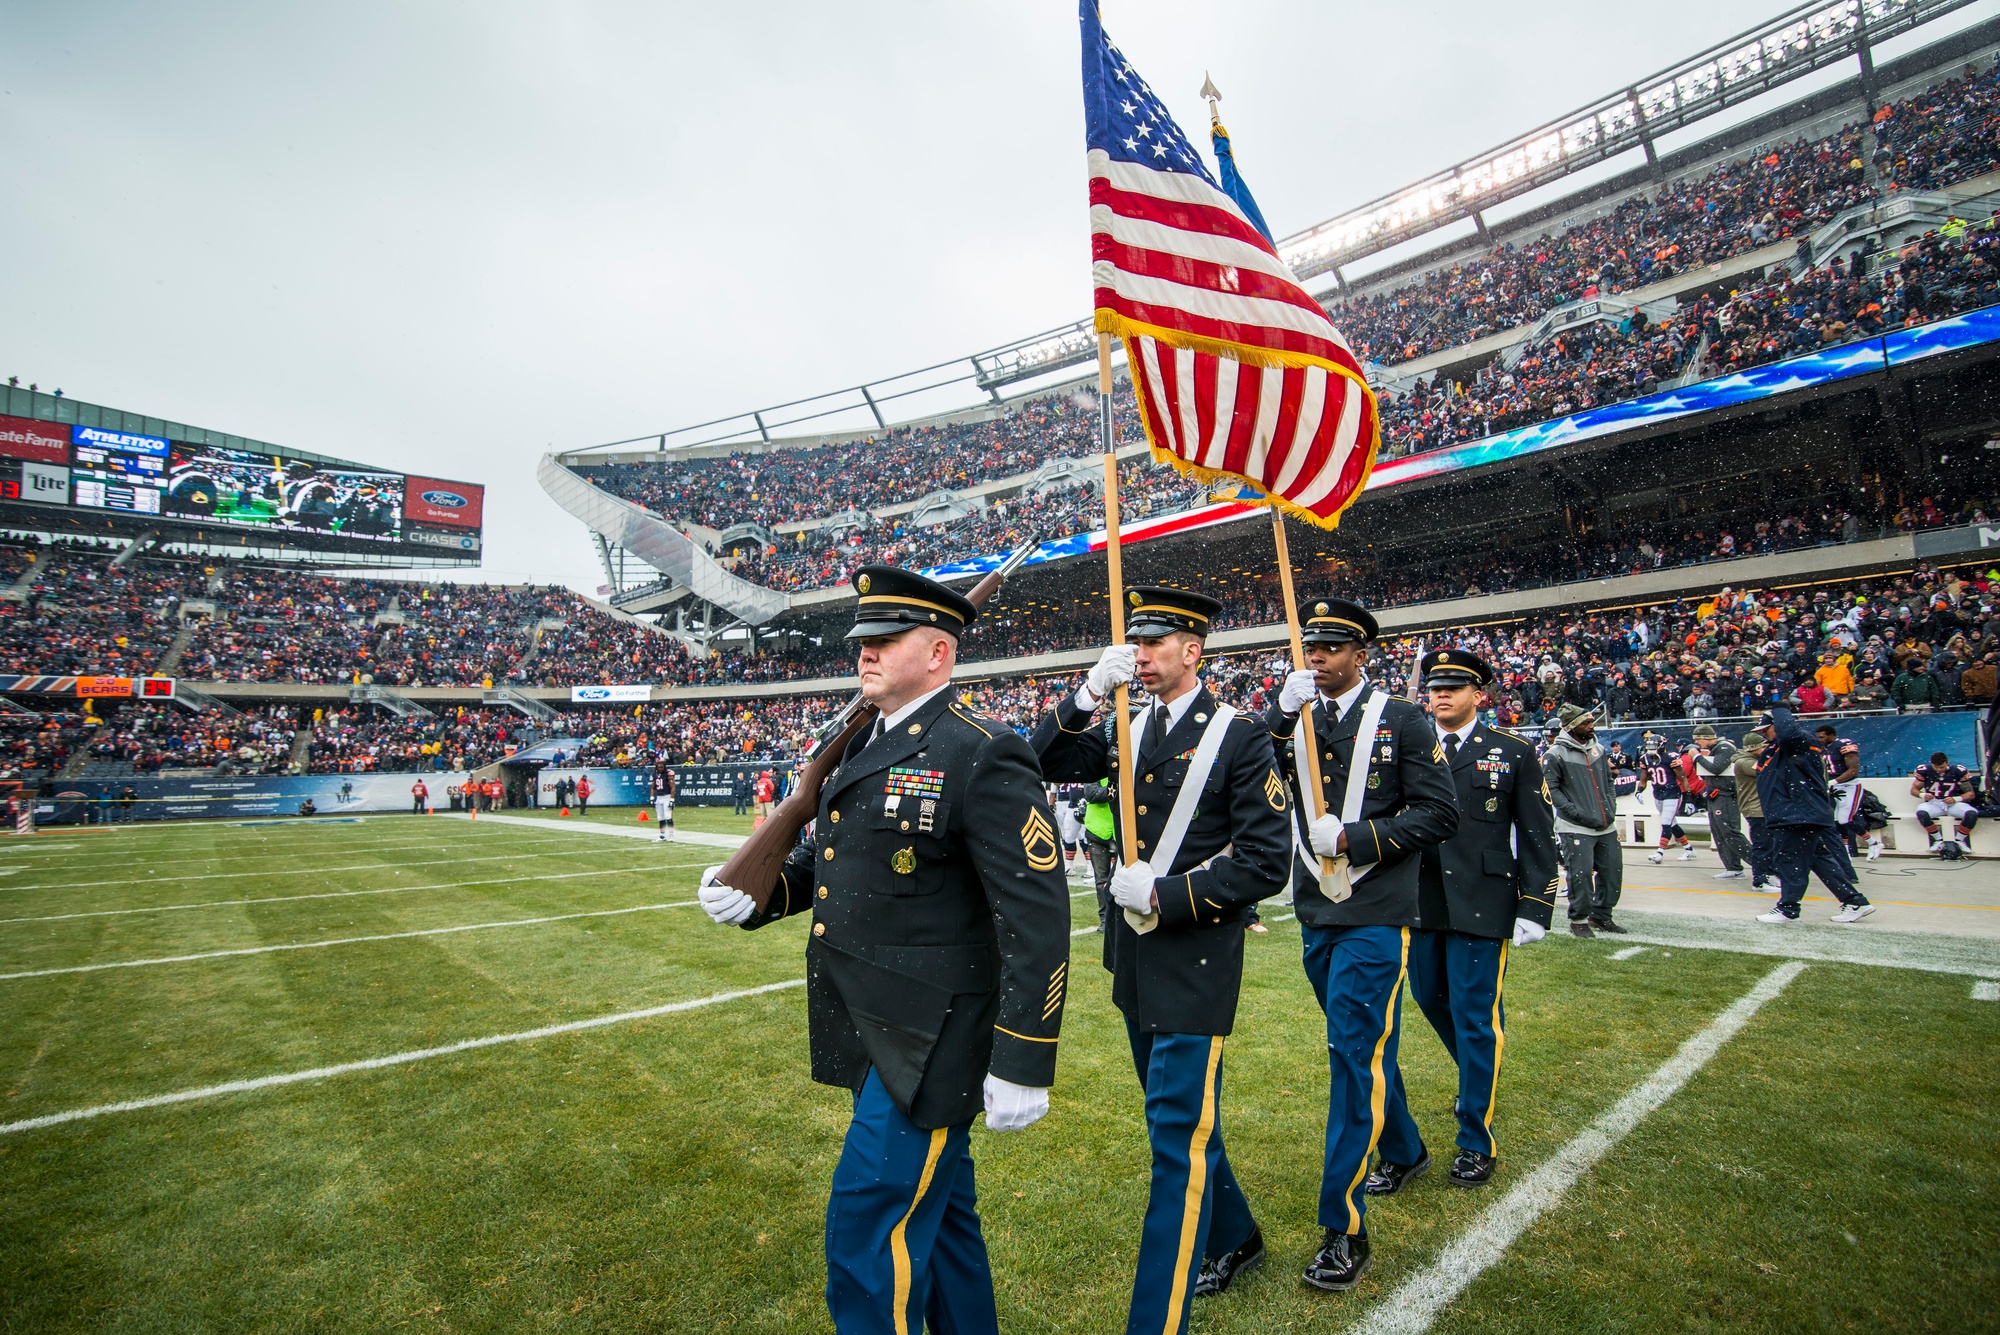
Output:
x=1900 y=414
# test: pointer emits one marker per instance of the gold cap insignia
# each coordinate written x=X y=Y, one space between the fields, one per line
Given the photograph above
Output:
x=1134 y=599
x=904 y=862
x=1319 y=609
x=862 y=583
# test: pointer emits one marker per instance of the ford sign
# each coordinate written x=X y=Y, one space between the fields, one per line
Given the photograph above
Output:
x=446 y=500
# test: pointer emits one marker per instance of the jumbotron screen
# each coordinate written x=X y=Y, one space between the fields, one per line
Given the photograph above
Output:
x=96 y=468
x=273 y=491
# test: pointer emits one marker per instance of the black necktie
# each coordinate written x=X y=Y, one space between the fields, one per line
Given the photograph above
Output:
x=1156 y=730
x=1450 y=747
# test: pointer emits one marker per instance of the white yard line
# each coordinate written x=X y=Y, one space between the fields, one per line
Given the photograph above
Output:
x=608 y=831
x=1861 y=943
x=1986 y=991
x=1415 y=1303
x=377 y=1063
x=301 y=871
x=342 y=941
x=349 y=894
x=348 y=846
x=1628 y=952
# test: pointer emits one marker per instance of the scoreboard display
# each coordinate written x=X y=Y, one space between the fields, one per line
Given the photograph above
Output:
x=118 y=470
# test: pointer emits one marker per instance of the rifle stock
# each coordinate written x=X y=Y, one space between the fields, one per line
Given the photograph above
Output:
x=754 y=868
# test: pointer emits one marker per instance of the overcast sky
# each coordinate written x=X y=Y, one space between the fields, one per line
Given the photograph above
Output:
x=447 y=237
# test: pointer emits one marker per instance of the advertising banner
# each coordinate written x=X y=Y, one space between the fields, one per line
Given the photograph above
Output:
x=432 y=500
x=117 y=470
x=105 y=688
x=21 y=480
x=206 y=798
x=1956 y=541
x=608 y=787
x=43 y=442
x=239 y=487
x=715 y=785
x=607 y=695
x=458 y=541
x=1892 y=745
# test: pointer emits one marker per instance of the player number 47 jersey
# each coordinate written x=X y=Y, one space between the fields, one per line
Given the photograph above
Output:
x=1943 y=784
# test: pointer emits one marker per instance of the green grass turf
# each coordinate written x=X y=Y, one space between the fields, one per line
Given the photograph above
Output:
x=669 y=1174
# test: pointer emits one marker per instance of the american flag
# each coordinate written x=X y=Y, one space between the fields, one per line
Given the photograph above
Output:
x=1238 y=371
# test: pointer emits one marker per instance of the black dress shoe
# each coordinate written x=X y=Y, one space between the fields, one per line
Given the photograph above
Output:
x=1338 y=1263
x=1471 y=1169
x=1608 y=926
x=1219 y=1272
x=1578 y=927
x=1390 y=1178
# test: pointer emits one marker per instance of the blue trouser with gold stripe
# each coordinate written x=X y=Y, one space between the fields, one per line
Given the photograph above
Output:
x=1456 y=981
x=1195 y=1209
x=1357 y=976
x=903 y=1246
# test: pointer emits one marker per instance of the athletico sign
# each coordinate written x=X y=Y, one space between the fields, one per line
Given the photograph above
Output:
x=431 y=500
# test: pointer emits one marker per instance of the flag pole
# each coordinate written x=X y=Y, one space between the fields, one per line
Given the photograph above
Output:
x=1309 y=752
x=1128 y=818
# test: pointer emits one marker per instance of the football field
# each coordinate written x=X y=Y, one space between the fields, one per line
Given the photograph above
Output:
x=438 y=1074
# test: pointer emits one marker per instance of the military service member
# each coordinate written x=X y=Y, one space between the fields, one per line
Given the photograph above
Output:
x=1492 y=883
x=936 y=969
x=1212 y=841
x=1388 y=798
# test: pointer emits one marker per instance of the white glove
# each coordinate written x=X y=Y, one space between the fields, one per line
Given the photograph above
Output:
x=1132 y=887
x=1299 y=689
x=1326 y=835
x=1115 y=667
x=727 y=906
x=1009 y=1106
x=1527 y=933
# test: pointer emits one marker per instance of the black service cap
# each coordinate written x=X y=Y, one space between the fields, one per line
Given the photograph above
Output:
x=1335 y=621
x=1454 y=667
x=893 y=600
x=1151 y=610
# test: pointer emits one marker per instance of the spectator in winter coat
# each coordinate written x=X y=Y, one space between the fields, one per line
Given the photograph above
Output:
x=1981 y=682
x=1913 y=691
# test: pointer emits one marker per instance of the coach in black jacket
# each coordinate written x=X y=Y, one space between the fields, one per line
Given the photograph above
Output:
x=1492 y=883
x=1177 y=979
x=1356 y=947
x=937 y=965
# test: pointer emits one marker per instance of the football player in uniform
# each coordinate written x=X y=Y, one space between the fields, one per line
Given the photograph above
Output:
x=936 y=968
x=665 y=785
x=1944 y=789
x=1659 y=776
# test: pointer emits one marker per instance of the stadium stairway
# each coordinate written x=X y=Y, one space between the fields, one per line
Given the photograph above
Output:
x=302 y=746
x=171 y=659
x=17 y=592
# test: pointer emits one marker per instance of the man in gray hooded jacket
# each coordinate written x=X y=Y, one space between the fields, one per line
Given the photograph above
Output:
x=1586 y=803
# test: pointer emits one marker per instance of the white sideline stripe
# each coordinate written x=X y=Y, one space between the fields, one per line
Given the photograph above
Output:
x=1628 y=952
x=376 y=1063
x=1986 y=991
x=347 y=846
x=610 y=831
x=348 y=894
x=342 y=941
x=1417 y=1300
x=1286 y=917
x=303 y=871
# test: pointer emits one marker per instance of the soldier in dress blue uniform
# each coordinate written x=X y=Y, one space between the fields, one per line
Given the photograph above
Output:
x=937 y=966
x=1175 y=948
x=1491 y=883
x=1356 y=946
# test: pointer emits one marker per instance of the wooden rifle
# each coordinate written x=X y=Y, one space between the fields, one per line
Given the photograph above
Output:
x=754 y=867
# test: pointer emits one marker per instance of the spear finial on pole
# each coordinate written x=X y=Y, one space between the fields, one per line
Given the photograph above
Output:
x=1214 y=95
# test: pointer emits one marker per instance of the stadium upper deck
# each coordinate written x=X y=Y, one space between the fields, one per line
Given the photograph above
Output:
x=1673 y=275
